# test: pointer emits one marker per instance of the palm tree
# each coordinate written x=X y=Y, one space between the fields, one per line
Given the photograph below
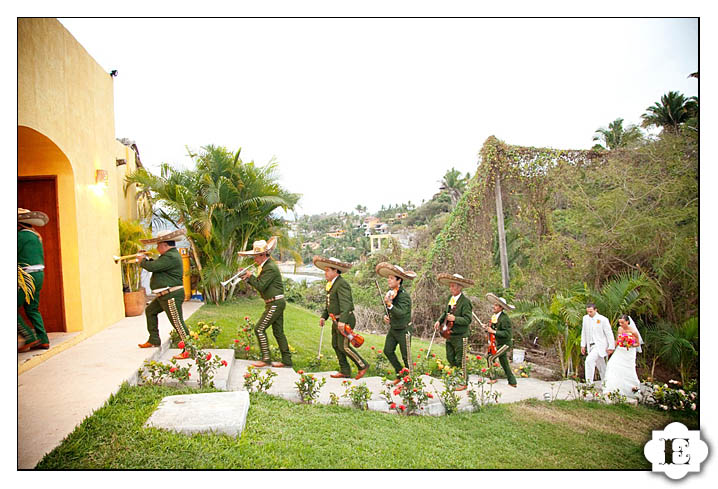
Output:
x=679 y=347
x=224 y=203
x=670 y=112
x=453 y=184
x=618 y=137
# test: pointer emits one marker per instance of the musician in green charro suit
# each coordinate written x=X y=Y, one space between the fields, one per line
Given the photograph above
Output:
x=268 y=283
x=340 y=307
x=30 y=258
x=166 y=284
x=398 y=303
x=501 y=327
x=457 y=310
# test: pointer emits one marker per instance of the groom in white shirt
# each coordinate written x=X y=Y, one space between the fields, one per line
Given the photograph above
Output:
x=597 y=338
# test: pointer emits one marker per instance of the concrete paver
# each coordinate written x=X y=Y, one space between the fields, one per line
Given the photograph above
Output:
x=58 y=394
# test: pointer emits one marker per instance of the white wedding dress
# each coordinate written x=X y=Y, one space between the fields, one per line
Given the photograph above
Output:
x=621 y=372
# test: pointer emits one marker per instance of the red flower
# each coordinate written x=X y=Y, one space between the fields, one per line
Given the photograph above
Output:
x=496 y=364
x=224 y=363
x=478 y=357
x=483 y=370
x=429 y=395
x=236 y=341
x=404 y=370
x=246 y=348
x=433 y=355
x=209 y=357
x=418 y=356
x=397 y=391
x=372 y=347
x=189 y=375
x=245 y=329
x=402 y=407
x=173 y=370
x=407 y=379
x=247 y=375
x=415 y=389
x=378 y=351
x=180 y=344
x=246 y=318
x=414 y=364
x=300 y=372
x=421 y=349
x=392 y=405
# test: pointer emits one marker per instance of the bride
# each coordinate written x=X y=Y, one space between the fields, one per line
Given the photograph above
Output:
x=621 y=367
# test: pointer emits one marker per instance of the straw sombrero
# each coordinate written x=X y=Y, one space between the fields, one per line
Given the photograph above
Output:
x=386 y=269
x=33 y=218
x=323 y=263
x=446 y=279
x=499 y=300
x=260 y=247
x=163 y=236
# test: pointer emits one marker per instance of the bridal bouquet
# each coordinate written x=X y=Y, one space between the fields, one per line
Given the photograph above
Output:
x=625 y=340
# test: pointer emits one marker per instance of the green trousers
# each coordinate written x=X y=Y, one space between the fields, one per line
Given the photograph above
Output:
x=343 y=349
x=171 y=304
x=396 y=337
x=455 y=350
x=273 y=316
x=504 y=361
x=36 y=330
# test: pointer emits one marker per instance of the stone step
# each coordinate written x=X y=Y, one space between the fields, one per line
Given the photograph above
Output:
x=221 y=376
x=218 y=412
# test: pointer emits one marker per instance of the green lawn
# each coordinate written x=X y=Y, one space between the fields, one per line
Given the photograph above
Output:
x=280 y=434
x=302 y=329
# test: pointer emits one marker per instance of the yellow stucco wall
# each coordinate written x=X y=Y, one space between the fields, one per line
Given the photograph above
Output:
x=127 y=206
x=66 y=128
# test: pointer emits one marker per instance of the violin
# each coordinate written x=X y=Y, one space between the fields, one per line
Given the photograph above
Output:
x=354 y=338
x=445 y=330
x=391 y=295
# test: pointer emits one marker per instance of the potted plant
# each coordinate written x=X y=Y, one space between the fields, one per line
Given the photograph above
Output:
x=131 y=232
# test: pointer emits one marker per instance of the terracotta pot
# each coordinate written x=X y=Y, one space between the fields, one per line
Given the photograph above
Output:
x=135 y=303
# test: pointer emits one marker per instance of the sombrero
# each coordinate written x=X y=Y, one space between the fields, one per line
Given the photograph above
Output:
x=259 y=247
x=499 y=300
x=323 y=263
x=386 y=269
x=163 y=236
x=446 y=279
x=33 y=218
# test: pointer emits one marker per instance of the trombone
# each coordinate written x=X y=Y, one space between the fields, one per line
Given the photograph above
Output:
x=130 y=257
x=234 y=279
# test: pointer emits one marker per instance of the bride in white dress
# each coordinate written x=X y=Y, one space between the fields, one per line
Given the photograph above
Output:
x=621 y=367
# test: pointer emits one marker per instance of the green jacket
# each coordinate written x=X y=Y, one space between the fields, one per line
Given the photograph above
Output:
x=269 y=282
x=400 y=313
x=29 y=248
x=504 y=335
x=463 y=316
x=340 y=302
x=166 y=270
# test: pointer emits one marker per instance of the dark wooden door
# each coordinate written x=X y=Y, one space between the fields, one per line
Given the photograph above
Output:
x=40 y=194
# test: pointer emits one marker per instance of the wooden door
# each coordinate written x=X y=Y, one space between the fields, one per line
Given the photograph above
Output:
x=40 y=194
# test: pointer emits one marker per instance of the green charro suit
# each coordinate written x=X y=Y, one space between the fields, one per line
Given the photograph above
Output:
x=30 y=252
x=455 y=343
x=504 y=336
x=399 y=325
x=341 y=305
x=166 y=272
x=269 y=285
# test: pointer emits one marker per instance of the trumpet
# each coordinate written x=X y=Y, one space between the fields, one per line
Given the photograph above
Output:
x=238 y=276
x=129 y=257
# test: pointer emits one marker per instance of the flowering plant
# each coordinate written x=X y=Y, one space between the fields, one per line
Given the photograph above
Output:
x=207 y=365
x=204 y=334
x=411 y=391
x=451 y=378
x=480 y=395
x=242 y=344
x=626 y=340
x=358 y=394
x=673 y=396
x=253 y=375
x=155 y=373
x=380 y=363
x=308 y=386
x=524 y=370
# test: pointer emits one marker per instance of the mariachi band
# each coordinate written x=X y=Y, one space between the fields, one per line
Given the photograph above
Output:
x=264 y=276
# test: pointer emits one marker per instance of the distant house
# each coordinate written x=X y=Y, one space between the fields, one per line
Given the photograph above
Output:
x=337 y=234
x=370 y=222
x=401 y=215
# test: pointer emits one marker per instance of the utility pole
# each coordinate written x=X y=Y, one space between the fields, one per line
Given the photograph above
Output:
x=502 y=233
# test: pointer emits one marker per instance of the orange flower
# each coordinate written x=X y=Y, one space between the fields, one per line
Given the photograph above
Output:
x=300 y=372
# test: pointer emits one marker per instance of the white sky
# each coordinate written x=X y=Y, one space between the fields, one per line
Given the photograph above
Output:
x=381 y=107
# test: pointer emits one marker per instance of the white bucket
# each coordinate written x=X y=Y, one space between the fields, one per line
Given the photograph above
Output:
x=518 y=355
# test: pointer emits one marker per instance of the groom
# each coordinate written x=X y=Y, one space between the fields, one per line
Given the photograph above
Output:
x=597 y=338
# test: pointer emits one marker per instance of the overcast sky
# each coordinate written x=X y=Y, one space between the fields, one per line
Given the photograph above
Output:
x=376 y=110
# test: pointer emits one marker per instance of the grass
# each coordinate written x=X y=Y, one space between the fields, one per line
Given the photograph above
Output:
x=280 y=434
x=301 y=326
